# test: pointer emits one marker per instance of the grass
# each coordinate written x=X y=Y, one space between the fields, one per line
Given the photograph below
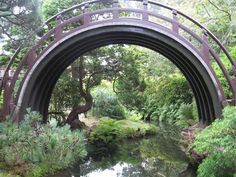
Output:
x=132 y=129
x=109 y=132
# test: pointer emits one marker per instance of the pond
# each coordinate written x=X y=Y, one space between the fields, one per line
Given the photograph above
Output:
x=155 y=156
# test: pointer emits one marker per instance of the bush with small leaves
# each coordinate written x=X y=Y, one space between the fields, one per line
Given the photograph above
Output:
x=106 y=103
x=43 y=147
x=218 y=142
x=106 y=133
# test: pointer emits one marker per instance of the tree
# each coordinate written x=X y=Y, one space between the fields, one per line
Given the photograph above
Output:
x=217 y=15
x=52 y=7
x=128 y=83
x=73 y=89
x=18 y=19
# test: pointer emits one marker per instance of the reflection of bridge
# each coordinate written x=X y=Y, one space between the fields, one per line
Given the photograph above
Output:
x=71 y=33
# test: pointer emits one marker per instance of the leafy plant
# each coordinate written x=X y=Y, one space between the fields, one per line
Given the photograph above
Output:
x=44 y=148
x=186 y=115
x=228 y=67
x=106 y=103
x=173 y=89
x=168 y=113
x=185 y=111
x=1 y=101
x=171 y=92
x=108 y=131
x=4 y=174
x=105 y=134
x=218 y=142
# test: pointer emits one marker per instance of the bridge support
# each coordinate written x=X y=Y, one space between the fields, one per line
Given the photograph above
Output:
x=72 y=36
x=40 y=81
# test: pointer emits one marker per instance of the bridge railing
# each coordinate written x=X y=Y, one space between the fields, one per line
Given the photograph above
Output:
x=97 y=11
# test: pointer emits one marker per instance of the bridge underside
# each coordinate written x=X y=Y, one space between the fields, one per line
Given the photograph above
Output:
x=38 y=86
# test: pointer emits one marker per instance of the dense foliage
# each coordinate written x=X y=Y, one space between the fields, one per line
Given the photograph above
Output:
x=18 y=19
x=39 y=149
x=228 y=67
x=171 y=100
x=106 y=104
x=108 y=131
x=218 y=142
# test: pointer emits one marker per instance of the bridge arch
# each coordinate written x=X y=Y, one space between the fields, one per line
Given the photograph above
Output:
x=64 y=44
x=40 y=82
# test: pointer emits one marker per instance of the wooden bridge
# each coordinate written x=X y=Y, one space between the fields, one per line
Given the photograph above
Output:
x=92 y=24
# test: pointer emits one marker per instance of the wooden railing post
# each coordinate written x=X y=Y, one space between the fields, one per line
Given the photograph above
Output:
x=116 y=9
x=175 y=26
x=205 y=47
x=86 y=15
x=59 y=29
x=145 y=7
x=31 y=56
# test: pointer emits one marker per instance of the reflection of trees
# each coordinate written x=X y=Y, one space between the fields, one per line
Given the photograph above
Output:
x=67 y=173
x=127 y=152
x=153 y=157
x=153 y=168
x=163 y=157
x=162 y=147
x=158 y=168
x=133 y=171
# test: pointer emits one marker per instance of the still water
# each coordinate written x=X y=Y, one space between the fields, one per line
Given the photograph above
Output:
x=155 y=156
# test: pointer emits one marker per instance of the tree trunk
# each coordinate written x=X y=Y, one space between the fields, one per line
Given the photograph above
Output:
x=80 y=109
x=73 y=119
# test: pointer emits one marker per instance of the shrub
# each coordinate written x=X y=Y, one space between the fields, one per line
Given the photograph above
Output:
x=4 y=174
x=181 y=114
x=106 y=104
x=218 y=142
x=132 y=129
x=195 y=110
x=108 y=131
x=185 y=111
x=229 y=68
x=173 y=89
x=168 y=113
x=45 y=148
x=105 y=134
x=164 y=102
x=186 y=115
x=133 y=115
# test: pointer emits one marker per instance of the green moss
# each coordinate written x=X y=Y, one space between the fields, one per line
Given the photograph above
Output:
x=131 y=129
x=109 y=131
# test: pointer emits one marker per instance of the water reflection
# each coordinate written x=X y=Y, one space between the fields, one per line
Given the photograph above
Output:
x=158 y=156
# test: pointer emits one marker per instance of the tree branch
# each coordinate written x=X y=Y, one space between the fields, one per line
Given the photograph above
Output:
x=206 y=10
x=88 y=85
x=6 y=33
x=113 y=85
x=222 y=10
x=81 y=77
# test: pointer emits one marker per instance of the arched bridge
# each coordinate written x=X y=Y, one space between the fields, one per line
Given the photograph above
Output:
x=92 y=24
